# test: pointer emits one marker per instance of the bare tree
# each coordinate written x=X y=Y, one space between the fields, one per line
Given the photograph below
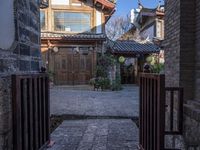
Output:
x=117 y=26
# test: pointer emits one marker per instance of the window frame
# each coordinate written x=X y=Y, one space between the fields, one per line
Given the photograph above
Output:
x=67 y=11
x=46 y=19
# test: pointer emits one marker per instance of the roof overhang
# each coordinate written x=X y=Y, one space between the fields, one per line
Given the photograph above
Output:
x=72 y=37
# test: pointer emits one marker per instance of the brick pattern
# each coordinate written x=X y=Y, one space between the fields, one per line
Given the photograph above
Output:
x=197 y=81
x=187 y=47
x=24 y=56
x=182 y=51
x=172 y=42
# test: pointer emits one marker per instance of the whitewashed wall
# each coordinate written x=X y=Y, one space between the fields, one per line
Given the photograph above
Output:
x=7 y=28
x=98 y=22
x=60 y=2
x=148 y=33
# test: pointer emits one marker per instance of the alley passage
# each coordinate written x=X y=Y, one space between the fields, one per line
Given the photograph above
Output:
x=112 y=133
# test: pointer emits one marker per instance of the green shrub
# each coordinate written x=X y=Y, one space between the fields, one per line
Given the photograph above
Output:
x=158 y=67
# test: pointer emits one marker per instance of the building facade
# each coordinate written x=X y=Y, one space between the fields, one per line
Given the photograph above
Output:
x=149 y=22
x=19 y=54
x=73 y=33
x=182 y=68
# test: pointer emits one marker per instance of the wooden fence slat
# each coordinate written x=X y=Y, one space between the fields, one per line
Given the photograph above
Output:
x=16 y=98
x=39 y=112
x=24 y=114
x=30 y=113
x=35 y=114
x=47 y=104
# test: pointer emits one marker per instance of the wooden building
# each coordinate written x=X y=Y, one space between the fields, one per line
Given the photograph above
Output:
x=73 y=33
x=135 y=53
x=149 y=22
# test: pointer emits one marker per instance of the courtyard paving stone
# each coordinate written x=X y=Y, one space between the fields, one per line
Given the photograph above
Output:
x=96 y=134
x=125 y=103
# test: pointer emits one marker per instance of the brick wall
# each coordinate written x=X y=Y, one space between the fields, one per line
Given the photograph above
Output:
x=172 y=42
x=182 y=51
x=22 y=57
x=197 y=81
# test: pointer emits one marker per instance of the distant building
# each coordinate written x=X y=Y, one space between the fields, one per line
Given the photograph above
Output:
x=150 y=22
x=73 y=33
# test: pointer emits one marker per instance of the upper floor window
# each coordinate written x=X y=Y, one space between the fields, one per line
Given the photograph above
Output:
x=42 y=20
x=72 y=21
x=60 y=2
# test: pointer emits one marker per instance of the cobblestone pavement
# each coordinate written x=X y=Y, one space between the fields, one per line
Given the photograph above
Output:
x=95 y=103
x=103 y=134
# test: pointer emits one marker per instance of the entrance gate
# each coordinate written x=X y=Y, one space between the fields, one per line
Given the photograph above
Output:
x=158 y=105
x=30 y=102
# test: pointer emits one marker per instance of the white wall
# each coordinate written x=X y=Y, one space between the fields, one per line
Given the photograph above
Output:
x=98 y=22
x=7 y=27
x=148 y=33
x=60 y=2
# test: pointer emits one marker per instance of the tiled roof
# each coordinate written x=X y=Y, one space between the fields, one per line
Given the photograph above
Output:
x=133 y=47
x=81 y=36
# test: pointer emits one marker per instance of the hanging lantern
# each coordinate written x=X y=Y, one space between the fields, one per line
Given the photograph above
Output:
x=121 y=59
x=44 y=4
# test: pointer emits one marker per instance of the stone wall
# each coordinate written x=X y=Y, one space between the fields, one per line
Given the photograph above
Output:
x=182 y=51
x=22 y=57
x=197 y=81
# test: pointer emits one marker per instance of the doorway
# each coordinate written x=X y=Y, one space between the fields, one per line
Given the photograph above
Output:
x=73 y=66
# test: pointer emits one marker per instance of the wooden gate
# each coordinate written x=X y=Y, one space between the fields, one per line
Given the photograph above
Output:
x=30 y=96
x=155 y=122
x=73 y=67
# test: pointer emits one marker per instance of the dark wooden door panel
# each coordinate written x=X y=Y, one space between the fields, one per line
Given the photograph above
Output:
x=73 y=68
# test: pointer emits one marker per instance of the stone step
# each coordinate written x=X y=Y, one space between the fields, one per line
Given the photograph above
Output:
x=192 y=111
x=195 y=104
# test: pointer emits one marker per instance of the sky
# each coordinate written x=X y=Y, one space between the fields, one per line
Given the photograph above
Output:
x=124 y=6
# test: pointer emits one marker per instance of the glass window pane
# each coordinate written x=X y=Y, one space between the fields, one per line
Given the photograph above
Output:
x=72 y=21
x=42 y=20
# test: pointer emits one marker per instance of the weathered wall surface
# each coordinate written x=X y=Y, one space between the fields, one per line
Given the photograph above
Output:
x=172 y=42
x=182 y=51
x=22 y=57
x=197 y=81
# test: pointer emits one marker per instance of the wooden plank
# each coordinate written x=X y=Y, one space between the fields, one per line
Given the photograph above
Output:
x=39 y=111
x=43 y=111
x=16 y=98
x=30 y=113
x=47 y=104
x=35 y=115
x=24 y=114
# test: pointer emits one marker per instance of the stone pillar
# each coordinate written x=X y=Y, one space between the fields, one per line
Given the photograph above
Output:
x=19 y=53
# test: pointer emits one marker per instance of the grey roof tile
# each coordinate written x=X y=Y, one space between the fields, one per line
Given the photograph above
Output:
x=81 y=36
x=133 y=47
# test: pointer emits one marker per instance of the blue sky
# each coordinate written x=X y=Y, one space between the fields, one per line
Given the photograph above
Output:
x=124 y=6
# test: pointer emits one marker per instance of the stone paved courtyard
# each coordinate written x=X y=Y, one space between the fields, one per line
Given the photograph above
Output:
x=125 y=103
x=118 y=134
x=95 y=134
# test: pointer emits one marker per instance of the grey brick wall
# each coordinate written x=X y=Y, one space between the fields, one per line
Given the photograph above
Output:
x=182 y=51
x=23 y=57
x=197 y=81
x=172 y=42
